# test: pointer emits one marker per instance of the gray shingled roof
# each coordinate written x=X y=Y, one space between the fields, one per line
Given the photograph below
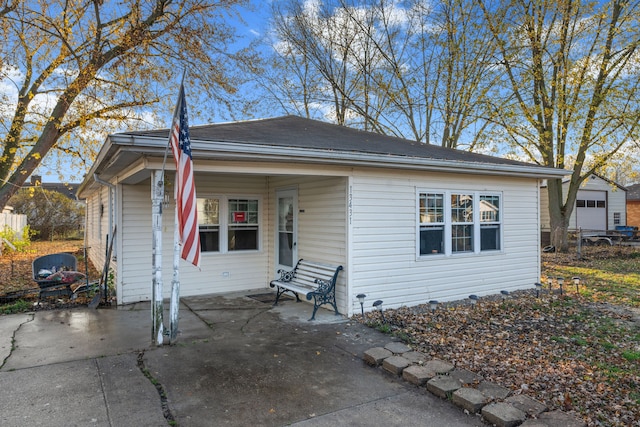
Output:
x=68 y=190
x=294 y=131
x=633 y=192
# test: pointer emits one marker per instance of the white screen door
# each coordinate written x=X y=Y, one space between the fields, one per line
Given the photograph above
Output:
x=287 y=224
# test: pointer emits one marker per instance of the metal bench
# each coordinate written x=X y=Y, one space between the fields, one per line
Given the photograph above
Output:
x=317 y=281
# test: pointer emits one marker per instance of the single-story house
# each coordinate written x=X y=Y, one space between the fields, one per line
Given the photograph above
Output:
x=409 y=222
x=633 y=205
x=600 y=206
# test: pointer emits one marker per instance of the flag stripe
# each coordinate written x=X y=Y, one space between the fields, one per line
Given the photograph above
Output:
x=186 y=203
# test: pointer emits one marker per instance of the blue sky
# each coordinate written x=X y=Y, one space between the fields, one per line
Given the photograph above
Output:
x=252 y=26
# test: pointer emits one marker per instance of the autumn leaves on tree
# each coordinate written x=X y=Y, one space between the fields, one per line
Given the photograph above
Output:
x=550 y=82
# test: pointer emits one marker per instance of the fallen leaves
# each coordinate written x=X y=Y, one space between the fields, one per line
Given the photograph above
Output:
x=16 y=274
x=564 y=351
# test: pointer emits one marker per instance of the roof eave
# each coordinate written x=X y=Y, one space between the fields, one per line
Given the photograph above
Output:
x=242 y=151
x=106 y=151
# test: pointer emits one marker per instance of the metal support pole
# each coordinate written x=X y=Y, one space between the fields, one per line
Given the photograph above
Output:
x=157 y=197
x=175 y=282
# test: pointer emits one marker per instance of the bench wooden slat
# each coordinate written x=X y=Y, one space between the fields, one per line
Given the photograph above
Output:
x=315 y=280
x=299 y=289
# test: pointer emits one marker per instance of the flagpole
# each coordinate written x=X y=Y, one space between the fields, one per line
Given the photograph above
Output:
x=174 y=305
x=186 y=238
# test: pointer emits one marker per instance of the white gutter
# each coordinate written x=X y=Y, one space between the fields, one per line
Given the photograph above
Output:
x=243 y=151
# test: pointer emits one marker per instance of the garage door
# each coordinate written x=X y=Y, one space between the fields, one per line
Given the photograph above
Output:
x=591 y=210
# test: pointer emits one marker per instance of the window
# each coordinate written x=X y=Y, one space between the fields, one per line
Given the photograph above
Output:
x=228 y=224
x=243 y=224
x=616 y=218
x=431 y=223
x=209 y=224
x=489 y=222
x=591 y=203
x=459 y=222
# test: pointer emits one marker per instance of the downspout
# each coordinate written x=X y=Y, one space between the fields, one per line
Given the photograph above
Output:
x=112 y=207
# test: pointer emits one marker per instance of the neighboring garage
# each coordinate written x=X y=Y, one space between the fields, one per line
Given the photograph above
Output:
x=600 y=206
x=591 y=210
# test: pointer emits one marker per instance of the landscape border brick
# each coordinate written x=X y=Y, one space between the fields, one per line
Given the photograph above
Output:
x=466 y=389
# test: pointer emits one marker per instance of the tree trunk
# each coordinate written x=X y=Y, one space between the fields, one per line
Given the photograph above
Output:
x=558 y=216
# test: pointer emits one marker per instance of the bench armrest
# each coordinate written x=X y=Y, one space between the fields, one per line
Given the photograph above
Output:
x=286 y=275
x=324 y=287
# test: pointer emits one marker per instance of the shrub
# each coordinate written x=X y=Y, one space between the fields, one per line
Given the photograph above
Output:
x=17 y=243
x=49 y=213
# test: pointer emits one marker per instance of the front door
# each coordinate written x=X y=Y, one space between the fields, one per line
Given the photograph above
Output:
x=287 y=224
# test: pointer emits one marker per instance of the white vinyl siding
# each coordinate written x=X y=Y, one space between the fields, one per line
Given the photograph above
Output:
x=226 y=272
x=385 y=264
x=321 y=223
x=98 y=226
x=617 y=203
x=361 y=218
x=135 y=238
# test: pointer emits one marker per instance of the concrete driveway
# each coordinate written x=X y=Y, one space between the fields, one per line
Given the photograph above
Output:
x=238 y=362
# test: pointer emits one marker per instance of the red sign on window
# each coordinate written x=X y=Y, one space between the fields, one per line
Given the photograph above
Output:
x=239 y=217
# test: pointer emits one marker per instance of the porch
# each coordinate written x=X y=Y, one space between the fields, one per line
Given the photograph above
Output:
x=251 y=225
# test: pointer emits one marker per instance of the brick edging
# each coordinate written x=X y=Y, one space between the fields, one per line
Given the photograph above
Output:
x=495 y=403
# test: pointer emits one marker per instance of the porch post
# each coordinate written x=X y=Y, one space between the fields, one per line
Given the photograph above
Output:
x=157 y=197
x=174 y=306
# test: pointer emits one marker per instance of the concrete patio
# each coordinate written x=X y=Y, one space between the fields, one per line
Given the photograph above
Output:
x=238 y=362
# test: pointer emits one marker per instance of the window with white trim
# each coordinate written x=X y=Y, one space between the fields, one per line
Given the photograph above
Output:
x=243 y=224
x=229 y=224
x=209 y=224
x=431 y=234
x=490 y=222
x=452 y=222
x=462 y=223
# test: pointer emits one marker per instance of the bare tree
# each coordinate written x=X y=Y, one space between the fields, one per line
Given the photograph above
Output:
x=78 y=64
x=287 y=81
x=308 y=35
x=415 y=70
x=465 y=71
x=569 y=98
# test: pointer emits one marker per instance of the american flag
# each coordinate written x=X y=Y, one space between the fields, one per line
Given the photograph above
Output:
x=185 y=186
